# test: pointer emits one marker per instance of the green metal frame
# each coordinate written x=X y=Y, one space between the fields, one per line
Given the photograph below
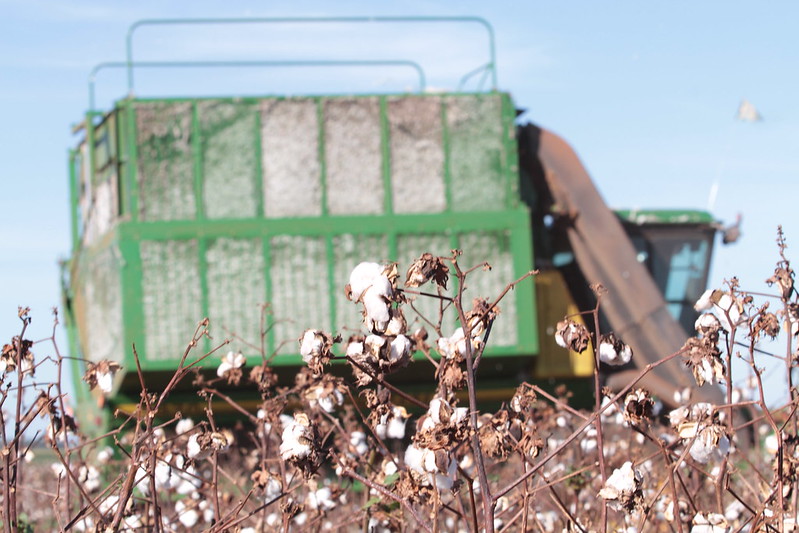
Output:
x=665 y=216
x=129 y=232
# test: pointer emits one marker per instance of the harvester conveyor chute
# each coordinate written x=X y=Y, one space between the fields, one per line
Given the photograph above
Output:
x=633 y=305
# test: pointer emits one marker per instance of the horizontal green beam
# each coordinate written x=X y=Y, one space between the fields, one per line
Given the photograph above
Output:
x=665 y=216
x=333 y=225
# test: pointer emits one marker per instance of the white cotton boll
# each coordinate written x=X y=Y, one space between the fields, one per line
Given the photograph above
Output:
x=400 y=349
x=184 y=425
x=105 y=455
x=709 y=444
x=327 y=401
x=730 y=314
x=89 y=477
x=734 y=510
x=623 y=480
x=355 y=349
x=109 y=504
x=705 y=301
x=230 y=361
x=771 y=444
x=396 y=428
x=706 y=322
x=321 y=499
x=132 y=523
x=459 y=414
x=429 y=464
x=193 y=448
x=710 y=523
x=105 y=381
x=295 y=440
x=390 y=468
x=273 y=519
x=381 y=285
x=312 y=344
x=614 y=353
x=362 y=277
x=84 y=524
x=301 y=518
x=414 y=458
x=377 y=310
x=679 y=415
x=272 y=489
x=373 y=343
x=396 y=326
x=187 y=517
x=188 y=479
x=445 y=348
x=436 y=407
x=163 y=475
x=358 y=441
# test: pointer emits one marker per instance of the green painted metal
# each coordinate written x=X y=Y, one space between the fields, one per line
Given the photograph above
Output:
x=490 y=66
x=665 y=216
x=74 y=187
x=171 y=244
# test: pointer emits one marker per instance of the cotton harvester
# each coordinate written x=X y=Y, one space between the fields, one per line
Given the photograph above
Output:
x=187 y=207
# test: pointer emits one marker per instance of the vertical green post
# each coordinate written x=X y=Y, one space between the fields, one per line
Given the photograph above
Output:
x=132 y=297
x=320 y=123
x=197 y=159
x=445 y=145
x=259 y=171
x=74 y=187
x=130 y=159
x=267 y=250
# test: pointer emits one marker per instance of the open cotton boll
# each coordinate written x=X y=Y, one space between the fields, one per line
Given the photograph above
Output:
x=400 y=349
x=311 y=344
x=377 y=310
x=613 y=351
x=362 y=277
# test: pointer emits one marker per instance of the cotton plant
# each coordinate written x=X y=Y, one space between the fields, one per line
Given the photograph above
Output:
x=726 y=305
x=623 y=488
x=700 y=425
x=101 y=375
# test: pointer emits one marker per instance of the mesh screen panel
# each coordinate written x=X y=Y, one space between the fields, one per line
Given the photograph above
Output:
x=166 y=165
x=476 y=153
x=102 y=306
x=236 y=289
x=417 y=155
x=171 y=296
x=493 y=247
x=299 y=284
x=290 y=155
x=229 y=159
x=353 y=156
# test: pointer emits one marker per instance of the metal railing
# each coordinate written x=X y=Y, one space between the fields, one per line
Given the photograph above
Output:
x=487 y=68
x=244 y=64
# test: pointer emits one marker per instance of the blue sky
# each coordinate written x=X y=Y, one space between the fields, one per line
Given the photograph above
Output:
x=646 y=93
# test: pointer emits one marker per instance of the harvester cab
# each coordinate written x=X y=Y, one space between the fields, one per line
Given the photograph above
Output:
x=187 y=207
